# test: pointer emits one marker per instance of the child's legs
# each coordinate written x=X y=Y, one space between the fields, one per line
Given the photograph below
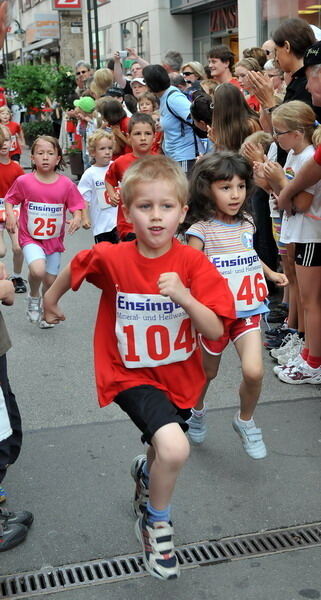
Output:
x=163 y=426
x=3 y=248
x=171 y=450
x=249 y=349
x=10 y=447
x=17 y=253
x=211 y=363
x=36 y=261
x=52 y=270
x=309 y=280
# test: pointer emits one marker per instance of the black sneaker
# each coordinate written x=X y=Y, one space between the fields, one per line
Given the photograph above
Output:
x=19 y=285
x=11 y=534
x=21 y=517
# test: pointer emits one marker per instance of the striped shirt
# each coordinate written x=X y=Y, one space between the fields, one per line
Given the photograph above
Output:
x=223 y=238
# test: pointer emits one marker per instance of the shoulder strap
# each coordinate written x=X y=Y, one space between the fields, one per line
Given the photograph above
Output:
x=183 y=121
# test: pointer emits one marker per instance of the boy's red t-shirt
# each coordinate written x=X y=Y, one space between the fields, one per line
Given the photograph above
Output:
x=8 y=174
x=14 y=129
x=142 y=337
x=123 y=126
x=114 y=176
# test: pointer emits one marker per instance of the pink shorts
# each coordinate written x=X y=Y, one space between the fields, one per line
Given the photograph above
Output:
x=236 y=329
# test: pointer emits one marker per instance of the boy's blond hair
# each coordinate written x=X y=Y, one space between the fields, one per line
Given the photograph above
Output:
x=154 y=168
x=260 y=137
x=2 y=137
x=98 y=135
x=5 y=109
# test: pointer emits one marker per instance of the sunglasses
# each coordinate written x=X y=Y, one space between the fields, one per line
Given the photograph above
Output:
x=187 y=73
x=81 y=72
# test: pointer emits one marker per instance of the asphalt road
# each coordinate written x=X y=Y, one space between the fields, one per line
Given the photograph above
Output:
x=73 y=472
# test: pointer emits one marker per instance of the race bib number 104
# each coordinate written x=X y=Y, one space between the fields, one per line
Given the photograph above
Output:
x=45 y=220
x=152 y=330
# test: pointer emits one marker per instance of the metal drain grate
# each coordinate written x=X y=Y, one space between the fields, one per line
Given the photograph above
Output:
x=58 y=579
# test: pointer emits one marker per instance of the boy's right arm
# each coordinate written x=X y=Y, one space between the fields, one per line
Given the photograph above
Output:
x=11 y=221
x=114 y=195
x=52 y=312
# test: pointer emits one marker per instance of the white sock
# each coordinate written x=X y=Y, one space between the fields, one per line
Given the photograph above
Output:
x=249 y=423
x=16 y=275
x=199 y=413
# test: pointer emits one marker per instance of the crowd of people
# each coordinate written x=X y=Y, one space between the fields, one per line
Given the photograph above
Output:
x=205 y=182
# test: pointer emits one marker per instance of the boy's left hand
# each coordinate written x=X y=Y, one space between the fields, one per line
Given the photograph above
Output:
x=74 y=223
x=279 y=278
x=171 y=285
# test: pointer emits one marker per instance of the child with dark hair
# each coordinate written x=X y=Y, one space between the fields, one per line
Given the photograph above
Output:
x=223 y=230
x=115 y=117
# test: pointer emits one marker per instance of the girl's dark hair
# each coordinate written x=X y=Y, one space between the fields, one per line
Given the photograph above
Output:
x=233 y=119
x=156 y=78
x=202 y=107
x=219 y=166
x=52 y=140
x=141 y=118
x=298 y=33
x=111 y=111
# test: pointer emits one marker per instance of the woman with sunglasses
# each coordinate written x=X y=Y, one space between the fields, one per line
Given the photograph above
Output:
x=193 y=73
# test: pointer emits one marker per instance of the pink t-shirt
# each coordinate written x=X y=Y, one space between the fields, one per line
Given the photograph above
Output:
x=43 y=210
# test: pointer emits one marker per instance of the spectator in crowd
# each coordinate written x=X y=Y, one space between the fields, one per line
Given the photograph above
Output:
x=138 y=87
x=242 y=69
x=136 y=69
x=102 y=81
x=269 y=48
x=179 y=81
x=257 y=53
x=233 y=119
x=172 y=61
x=273 y=72
x=180 y=141
x=221 y=63
x=83 y=72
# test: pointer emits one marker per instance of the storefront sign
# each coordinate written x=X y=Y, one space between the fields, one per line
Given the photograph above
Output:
x=66 y=4
x=45 y=26
x=223 y=19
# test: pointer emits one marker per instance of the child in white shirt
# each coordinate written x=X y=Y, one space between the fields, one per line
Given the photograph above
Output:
x=103 y=215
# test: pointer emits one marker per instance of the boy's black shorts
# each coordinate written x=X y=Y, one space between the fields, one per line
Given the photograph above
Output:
x=150 y=408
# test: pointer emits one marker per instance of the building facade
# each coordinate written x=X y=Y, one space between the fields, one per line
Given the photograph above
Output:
x=65 y=31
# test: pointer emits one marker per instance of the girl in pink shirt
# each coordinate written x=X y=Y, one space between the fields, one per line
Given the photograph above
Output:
x=44 y=197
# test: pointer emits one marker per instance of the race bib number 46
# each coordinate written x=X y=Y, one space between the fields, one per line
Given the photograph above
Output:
x=245 y=277
x=45 y=220
x=152 y=330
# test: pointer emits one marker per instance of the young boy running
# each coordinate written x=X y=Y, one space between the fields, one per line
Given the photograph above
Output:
x=141 y=131
x=156 y=293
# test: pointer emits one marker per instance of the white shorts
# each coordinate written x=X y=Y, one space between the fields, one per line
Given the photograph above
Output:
x=33 y=252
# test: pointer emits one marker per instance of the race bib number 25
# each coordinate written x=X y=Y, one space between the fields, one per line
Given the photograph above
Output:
x=45 y=220
x=152 y=330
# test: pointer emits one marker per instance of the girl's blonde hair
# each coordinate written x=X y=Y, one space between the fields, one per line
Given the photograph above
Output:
x=197 y=67
x=299 y=116
x=98 y=135
x=5 y=109
x=102 y=81
x=251 y=64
